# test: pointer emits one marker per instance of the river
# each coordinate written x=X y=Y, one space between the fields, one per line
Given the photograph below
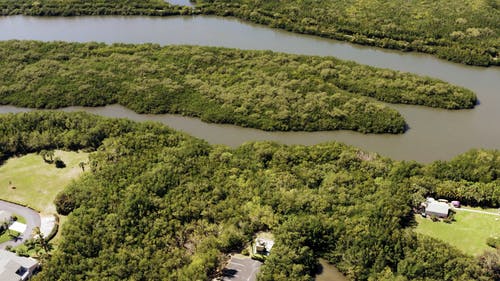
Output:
x=433 y=134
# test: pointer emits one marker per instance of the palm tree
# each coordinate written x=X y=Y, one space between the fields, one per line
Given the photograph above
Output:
x=50 y=154
x=40 y=241
x=82 y=165
x=43 y=153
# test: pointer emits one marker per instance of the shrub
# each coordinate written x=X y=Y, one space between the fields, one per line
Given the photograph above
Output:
x=493 y=242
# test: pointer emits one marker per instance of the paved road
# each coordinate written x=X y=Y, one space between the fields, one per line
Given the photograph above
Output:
x=476 y=211
x=241 y=268
x=32 y=221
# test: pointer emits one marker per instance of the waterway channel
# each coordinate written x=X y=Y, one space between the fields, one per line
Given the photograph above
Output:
x=433 y=134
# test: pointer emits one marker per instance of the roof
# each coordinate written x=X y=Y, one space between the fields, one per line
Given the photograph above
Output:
x=8 y=270
x=9 y=276
x=438 y=208
x=10 y=264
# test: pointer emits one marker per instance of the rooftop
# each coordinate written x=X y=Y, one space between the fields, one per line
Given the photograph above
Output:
x=13 y=267
x=437 y=207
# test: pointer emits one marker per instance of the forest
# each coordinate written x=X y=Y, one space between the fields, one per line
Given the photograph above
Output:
x=462 y=31
x=90 y=8
x=259 y=89
x=161 y=205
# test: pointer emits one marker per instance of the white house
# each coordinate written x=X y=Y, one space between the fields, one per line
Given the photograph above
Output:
x=438 y=209
x=16 y=268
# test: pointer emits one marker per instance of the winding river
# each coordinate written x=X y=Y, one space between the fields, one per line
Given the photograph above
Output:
x=433 y=134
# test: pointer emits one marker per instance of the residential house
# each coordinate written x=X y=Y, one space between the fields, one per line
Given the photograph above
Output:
x=438 y=209
x=16 y=268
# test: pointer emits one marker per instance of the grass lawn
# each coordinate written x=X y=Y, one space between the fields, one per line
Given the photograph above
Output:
x=36 y=182
x=8 y=235
x=20 y=219
x=468 y=233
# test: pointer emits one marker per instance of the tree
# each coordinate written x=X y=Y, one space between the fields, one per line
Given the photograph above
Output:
x=82 y=165
x=59 y=163
x=40 y=244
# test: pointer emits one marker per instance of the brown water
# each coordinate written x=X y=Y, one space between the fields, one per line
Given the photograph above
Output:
x=329 y=272
x=433 y=134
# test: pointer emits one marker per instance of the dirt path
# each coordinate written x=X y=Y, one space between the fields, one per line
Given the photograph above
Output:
x=476 y=211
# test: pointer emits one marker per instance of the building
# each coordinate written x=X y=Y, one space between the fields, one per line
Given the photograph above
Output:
x=263 y=246
x=16 y=268
x=436 y=208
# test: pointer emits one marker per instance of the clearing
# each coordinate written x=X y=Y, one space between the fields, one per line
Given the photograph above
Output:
x=37 y=182
x=468 y=233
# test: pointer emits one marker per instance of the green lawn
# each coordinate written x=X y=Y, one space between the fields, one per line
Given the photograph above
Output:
x=20 y=218
x=36 y=182
x=8 y=235
x=468 y=233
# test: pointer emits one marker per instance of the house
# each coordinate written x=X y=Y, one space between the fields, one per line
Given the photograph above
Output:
x=438 y=209
x=16 y=268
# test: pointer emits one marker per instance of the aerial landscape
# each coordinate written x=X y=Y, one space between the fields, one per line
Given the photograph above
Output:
x=249 y=140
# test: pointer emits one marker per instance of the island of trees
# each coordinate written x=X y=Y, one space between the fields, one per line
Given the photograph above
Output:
x=462 y=31
x=259 y=89
x=161 y=205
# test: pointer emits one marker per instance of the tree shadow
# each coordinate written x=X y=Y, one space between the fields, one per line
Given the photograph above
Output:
x=229 y=272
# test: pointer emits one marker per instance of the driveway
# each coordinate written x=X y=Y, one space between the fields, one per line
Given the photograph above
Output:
x=241 y=268
x=32 y=221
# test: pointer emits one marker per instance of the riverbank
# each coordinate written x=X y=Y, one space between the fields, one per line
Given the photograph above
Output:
x=460 y=36
x=258 y=89
x=433 y=133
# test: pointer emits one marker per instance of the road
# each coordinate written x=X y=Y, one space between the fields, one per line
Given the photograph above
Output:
x=32 y=221
x=476 y=211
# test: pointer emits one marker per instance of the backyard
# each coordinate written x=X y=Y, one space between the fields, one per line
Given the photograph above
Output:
x=468 y=232
x=30 y=181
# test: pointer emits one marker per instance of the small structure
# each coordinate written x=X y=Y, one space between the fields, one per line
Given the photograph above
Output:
x=436 y=208
x=15 y=268
x=455 y=204
x=260 y=246
x=263 y=246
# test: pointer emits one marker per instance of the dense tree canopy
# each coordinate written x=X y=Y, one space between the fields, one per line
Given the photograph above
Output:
x=260 y=89
x=93 y=7
x=160 y=205
x=462 y=31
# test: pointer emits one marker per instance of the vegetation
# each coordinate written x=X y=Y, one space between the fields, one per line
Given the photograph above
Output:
x=473 y=178
x=493 y=242
x=463 y=31
x=8 y=235
x=260 y=89
x=160 y=205
x=469 y=232
x=36 y=182
x=90 y=8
